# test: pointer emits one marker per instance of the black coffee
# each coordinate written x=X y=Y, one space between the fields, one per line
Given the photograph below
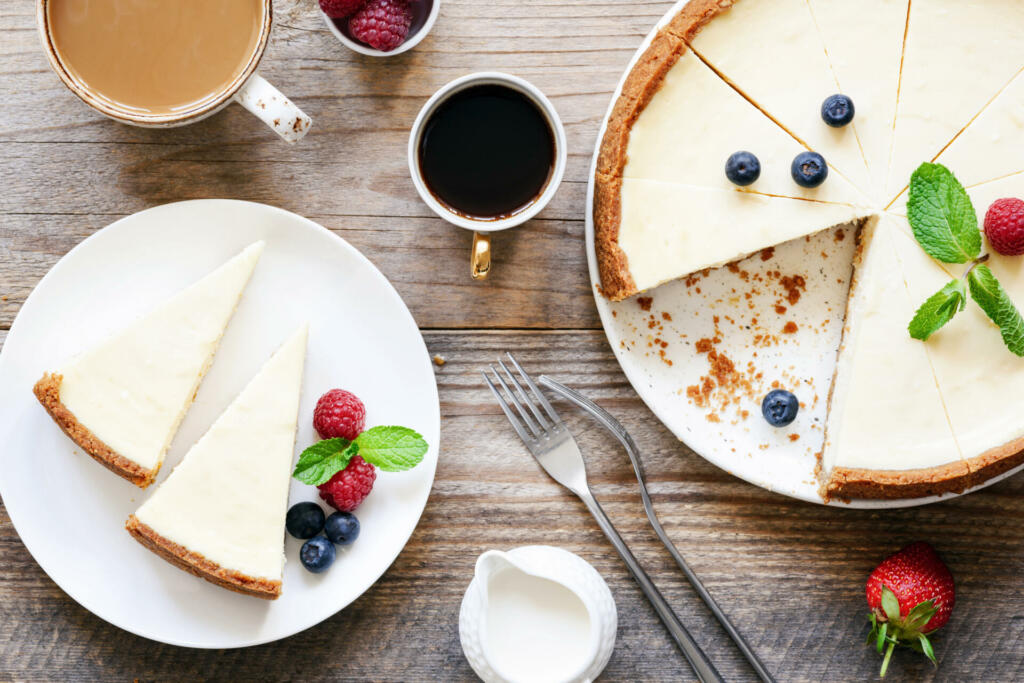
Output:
x=487 y=152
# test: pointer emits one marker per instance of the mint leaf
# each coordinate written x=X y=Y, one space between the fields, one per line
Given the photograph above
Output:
x=942 y=216
x=993 y=299
x=323 y=460
x=938 y=310
x=393 y=449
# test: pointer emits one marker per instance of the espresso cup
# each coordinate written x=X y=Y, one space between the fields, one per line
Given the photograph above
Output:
x=247 y=88
x=480 y=258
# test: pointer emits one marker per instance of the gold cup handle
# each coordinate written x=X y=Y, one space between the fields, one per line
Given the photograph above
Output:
x=480 y=259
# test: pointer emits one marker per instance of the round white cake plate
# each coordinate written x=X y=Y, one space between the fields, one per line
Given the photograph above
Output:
x=659 y=352
x=70 y=512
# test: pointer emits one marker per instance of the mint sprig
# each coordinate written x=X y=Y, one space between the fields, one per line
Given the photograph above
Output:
x=323 y=460
x=993 y=299
x=945 y=224
x=938 y=310
x=390 y=448
x=942 y=215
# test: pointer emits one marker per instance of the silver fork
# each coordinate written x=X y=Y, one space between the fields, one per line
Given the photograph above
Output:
x=554 y=447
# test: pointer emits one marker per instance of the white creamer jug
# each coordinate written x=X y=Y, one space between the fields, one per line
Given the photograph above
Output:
x=538 y=614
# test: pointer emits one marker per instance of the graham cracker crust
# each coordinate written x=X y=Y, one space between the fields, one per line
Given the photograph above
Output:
x=47 y=390
x=197 y=565
x=641 y=84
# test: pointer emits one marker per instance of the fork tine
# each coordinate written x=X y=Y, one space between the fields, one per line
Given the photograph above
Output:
x=523 y=414
x=545 y=425
x=516 y=422
x=536 y=392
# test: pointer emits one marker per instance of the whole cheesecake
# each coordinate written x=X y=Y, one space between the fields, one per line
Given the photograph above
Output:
x=932 y=80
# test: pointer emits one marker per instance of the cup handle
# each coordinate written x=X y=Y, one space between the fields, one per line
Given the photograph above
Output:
x=480 y=259
x=273 y=108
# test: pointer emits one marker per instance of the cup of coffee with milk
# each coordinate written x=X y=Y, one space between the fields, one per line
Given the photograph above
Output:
x=163 y=63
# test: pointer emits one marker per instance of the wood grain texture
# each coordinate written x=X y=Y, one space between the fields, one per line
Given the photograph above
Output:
x=791 y=574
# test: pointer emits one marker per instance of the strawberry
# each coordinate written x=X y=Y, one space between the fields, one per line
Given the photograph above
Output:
x=910 y=594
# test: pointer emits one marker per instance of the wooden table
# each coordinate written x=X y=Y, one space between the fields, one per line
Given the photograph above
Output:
x=791 y=574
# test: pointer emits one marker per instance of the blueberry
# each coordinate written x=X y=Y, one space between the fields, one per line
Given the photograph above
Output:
x=742 y=168
x=837 y=110
x=317 y=554
x=342 y=528
x=809 y=169
x=304 y=520
x=779 y=407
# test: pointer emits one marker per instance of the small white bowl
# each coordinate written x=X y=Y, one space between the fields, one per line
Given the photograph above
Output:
x=488 y=78
x=409 y=43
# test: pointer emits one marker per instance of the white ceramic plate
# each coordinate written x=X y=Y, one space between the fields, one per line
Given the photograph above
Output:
x=70 y=512
x=751 y=337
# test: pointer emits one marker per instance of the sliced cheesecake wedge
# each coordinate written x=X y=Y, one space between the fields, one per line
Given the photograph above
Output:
x=950 y=75
x=649 y=232
x=123 y=400
x=220 y=514
x=773 y=53
x=887 y=435
x=695 y=121
x=979 y=378
x=870 y=76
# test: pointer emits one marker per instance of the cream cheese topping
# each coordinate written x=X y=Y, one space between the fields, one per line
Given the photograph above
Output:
x=228 y=498
x=958 y=57
x=886 y=411
x=668 y=230
x=694 y=123
x=864 y=46
x=980 y=379
x=772 y=51
x=133 y=390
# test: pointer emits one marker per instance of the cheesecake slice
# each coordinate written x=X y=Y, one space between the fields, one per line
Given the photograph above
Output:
x=772 y=52
x=651 y=232
x=991 y=148
x=887 y=434
x=958 y=57
x=123 y=400
x=864 y=45
x=980 y=380
x=695 y=121
x=220 y=514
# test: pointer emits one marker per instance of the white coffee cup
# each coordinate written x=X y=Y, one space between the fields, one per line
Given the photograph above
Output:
x=481 y=254
x=248 y=89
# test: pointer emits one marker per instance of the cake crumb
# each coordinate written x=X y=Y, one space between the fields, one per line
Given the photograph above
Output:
x=645 y=302
x=790 y=328
x=794 y=437
x=780 y=309
x=439 y=360
x=665 y=316
x=767 y=253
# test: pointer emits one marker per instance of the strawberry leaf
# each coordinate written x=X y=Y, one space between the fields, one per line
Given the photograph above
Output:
x=920 y=615
x=880 y=643
x=890 y=604
x=926 y=648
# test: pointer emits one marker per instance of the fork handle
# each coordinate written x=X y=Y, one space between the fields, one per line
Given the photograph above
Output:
x=702 y=666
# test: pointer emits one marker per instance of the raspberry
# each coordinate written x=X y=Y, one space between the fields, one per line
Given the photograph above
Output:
x=350 y=487
x=1004 y=226
x=340 y=9
x=382 y=24
x=339 y=413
